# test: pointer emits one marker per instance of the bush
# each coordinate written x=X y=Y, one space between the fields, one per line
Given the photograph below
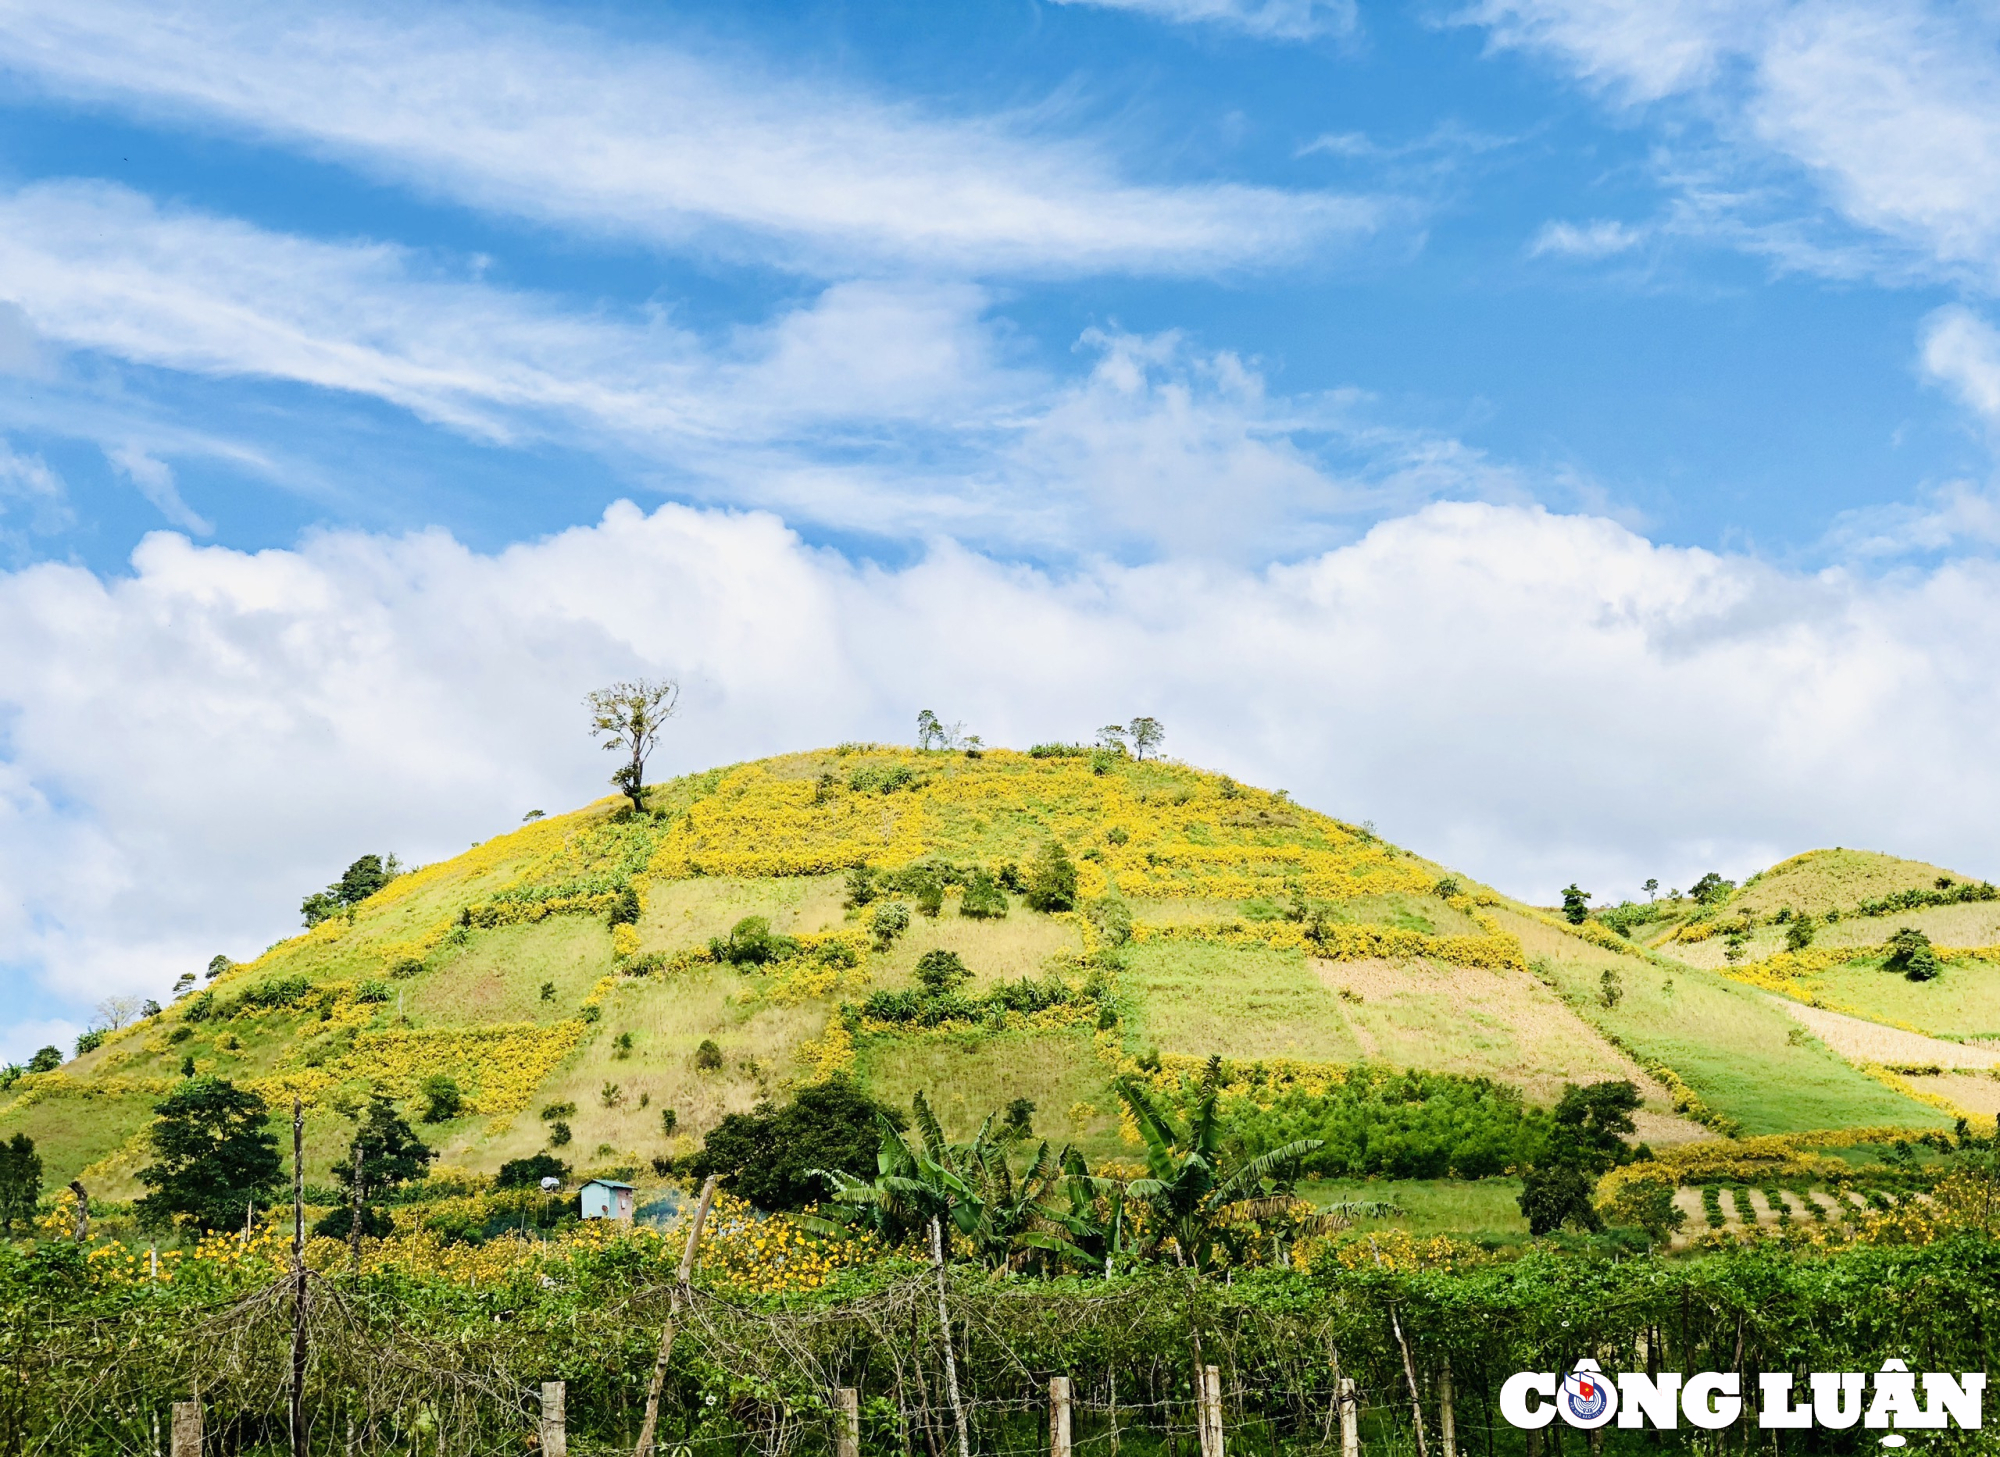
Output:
x=1712 y=889
x=861 y=886
x=929 y=892
x=940 y=971
x=559 y=1133
x=405 y=967
x=558 y=1110
x=89 y=1041
x=750 y=943
x=275 y=995
x=1112 y=919
x=769 y=1155
x=200 y=1007
x=708 y=1056
x=442 y=1100
x=372 y=991
x=888 y=920
x=1060 y=751
x=181 y=1033
x=1052 y=880
x=1799 y=934
x=45 y=1060
x=625 y=909
x=1911 y=953
x=528 y=1173
x=670 y=1121
x=882 y=778
x=984 y=899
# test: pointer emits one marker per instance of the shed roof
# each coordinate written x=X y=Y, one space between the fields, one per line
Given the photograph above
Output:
x=607 y=1183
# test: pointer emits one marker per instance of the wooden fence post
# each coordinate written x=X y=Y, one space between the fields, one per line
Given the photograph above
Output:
x=555 y=1423
x=848 y=1401
x=1211 y=1404
x=187 y=1429
x=1447 y=1424
x=1350 y=1420
x=1059 y=1435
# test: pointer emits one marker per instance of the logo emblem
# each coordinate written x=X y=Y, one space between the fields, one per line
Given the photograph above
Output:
x=1588 y=1398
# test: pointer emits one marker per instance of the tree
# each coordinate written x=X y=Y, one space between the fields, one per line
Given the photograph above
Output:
x=213 y=1155
x=627 y=719
x=1597 y=1116
x=1586 y=1139
x=1555 y=1192
x=1711 y=888
x=529 y=1172
x=1052 y=880
x=1799 y=934
x=1146 y=735
x=1651 y=887
x=1112 y=737
x=1576 y=904
x=1911 y=953
x=984 y=899
x=442 y=1099
x=45 y=1060
x=1019 y=1119
x=940 y=971
x=217 y=965
x=930 y=731
x=115 y=1012
x=775 y=1156
x=359 y=881
x=1610 y=989
x=20 y=1181
x=386 y=1154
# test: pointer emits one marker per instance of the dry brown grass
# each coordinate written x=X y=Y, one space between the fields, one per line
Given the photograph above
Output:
x=1863 y=1041
x=1973 y=1093
x=1822 y=879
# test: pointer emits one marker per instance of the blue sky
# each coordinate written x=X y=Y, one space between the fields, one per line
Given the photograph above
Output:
x=1559 y=429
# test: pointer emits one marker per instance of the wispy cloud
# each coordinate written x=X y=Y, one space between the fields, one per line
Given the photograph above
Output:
x=1266 y=19
x=155 y=480
x=1601 y=239
x=590 y=131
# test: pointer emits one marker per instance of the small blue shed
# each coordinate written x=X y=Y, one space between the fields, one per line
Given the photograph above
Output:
x=606 y=1199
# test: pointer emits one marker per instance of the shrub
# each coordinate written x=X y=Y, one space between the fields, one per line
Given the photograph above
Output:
x=276 y=994
x=89 y=1041
x=929 y=891
x=625 y=909
x=984 y=899
x=888 y=920
x=621 y=1046
x=940 y=971
x=200 y=1007
x=771 y=1155
x=1712 y=889
x=529 y=1172
x=861 y=886
x=1799 y=934
x=1019 y=1119
x=611 y=1095
x=670 y=1121
x=442 y=1099
x=1610 y=989
x=372 y=992
x=750 y=943
x=1112 y=919
x=559 y=1133
x=1576 y=904
x=1911 y=953
x=881 y=778
x=45 y=1060
x=548 y=991
x=558 y=1110
x=1117 y=835
x=181 y=1033
x=1446 y=888
x=708 y=1056
x=1052 y=880
x=1059 y=751
x=1103 y=761
x=405 y=967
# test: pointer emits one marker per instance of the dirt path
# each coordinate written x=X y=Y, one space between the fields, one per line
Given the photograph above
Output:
x=1860 y=1040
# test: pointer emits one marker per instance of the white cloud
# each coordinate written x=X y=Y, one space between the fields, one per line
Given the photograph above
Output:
x=1266 y=19
x=1531 y=697
x=1891 y=108
x=1962 y=352
x=596 y=131
x=1602 y=239
x=893 y=408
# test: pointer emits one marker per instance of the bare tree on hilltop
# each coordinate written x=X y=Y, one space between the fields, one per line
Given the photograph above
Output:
x=627 y=718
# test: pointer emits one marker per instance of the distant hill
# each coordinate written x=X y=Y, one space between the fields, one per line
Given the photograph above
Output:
x=562 y=973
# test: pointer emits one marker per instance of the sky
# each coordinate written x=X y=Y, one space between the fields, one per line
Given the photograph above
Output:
x=1561 y=432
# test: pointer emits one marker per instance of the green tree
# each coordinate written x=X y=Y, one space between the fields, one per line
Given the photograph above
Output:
x=930 y=730
x=984 y=899
x=1711 y=889
x=626 y=719
x=1052 y=880
x=529 y=1172
x=1585 y=1140
x=20 y=1181
x=1651 y=887
x=1556 y=1191
x=1146 y=736
x=940 y=971
x=1576 y=904
x=1911 y=953
x=442 y=1099
x=775 y=1156
x=359 y=881
x=1799 y=934
x=217 y=965
x=389 y=1155
x=45 y=1060
x=213 y=1155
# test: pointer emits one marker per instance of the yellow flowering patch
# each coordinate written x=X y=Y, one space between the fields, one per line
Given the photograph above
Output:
x=497 y=1068
x=1497 y=950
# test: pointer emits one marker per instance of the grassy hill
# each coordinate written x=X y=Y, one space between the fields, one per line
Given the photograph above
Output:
x=569 y=962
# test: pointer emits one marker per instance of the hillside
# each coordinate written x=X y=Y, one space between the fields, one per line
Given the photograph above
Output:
x=569 y=962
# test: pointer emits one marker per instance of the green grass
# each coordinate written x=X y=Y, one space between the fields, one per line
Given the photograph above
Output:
x=498 y=978
x=1726 y=1040
x=1823 y=879
x=967 y=1078
x=1432 y=1206
x=1963 y=1002
x=1199 y=998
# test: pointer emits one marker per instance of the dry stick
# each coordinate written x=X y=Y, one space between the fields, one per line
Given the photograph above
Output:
x=1409 y=1366
x=82 y=1230
x=944 y=1323
x=680 y=1293
x=296 y=1413
x=354 y=1220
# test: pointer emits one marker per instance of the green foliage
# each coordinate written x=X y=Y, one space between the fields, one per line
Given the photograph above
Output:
x=369 y=991
x=213 y=1155
x=882 y=778
x=89 y=1040
x=559 y=1133
x=1147 y=734
x=1946 y=893
x=750 y=943
x=1576 y=904
x=391 y=1156
x=984 y=899
x=626 y=718
x=358 y=882
x=1628 y=916
x=45 y=1060
x=1555 y=1194
x=1647 y=1203
x=1799 y=934
x=1111 y=918
x=442 y=1099
x=529 y=1172
x=20 y=1182
x=670 y=1122
x=939 y=971
x=274 y=994
x=1018 y=1119
x=888 y=920
x=775 y=1156
x=1712 y=889
x=1911 y=953
x=1052 y=880
x=625 y=909
x=1611 y=989
x=929 y=1006
x=708 y=1056
x=861 y=886
x=217 y=965
x=929 y=892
